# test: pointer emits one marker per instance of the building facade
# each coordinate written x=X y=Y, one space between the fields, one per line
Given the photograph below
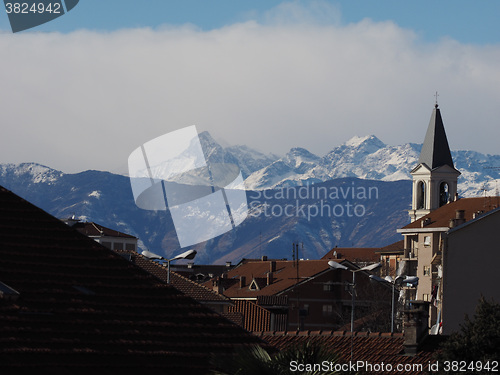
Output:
x=446 y=235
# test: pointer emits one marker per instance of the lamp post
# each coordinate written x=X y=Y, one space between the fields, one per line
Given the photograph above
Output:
x=190 y=254
x=334 y=265
x=397 y=281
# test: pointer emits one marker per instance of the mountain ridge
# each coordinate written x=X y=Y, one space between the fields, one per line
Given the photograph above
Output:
x=363 y=162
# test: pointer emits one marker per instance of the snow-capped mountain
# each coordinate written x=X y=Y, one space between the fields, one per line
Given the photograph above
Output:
x=319 y=216
x=249 y=160
x=276 y=219
x=369 y=158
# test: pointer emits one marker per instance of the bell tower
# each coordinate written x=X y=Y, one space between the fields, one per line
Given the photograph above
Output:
x=435 y=176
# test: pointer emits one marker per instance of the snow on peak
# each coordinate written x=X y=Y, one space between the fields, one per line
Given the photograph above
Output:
x=95 y=194
x=358 y=141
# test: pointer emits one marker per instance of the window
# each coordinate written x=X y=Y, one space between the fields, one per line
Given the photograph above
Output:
x=130 y=246
x=253 y=285
x=427 y=270
x=327 y=310
x=427 y=297
x=420 y=195
x=444 y=194
x=328 y=287
x=304 y=311
x=118 y=246
x=427 y=241
x=107 y=244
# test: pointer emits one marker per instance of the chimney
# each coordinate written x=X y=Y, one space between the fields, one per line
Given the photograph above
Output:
x=416 y=327
x=228 y=264
x=264 y=258
x=272 y=266
x=217 y=286
x=477 y=214
x=458 y=220
x=269 y=278
x=190 y=265
x=425 y=222
x=243 y=281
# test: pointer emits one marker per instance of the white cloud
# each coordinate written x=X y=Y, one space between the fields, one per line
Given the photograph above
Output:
x=294 y=77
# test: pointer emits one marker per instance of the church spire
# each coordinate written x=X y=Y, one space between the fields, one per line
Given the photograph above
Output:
x=435 y=177
x=435 y=150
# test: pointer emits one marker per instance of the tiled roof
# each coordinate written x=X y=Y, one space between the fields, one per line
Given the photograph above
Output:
x=200 y=272
x=441 y=217
x=374 y=348
x=283 y=277
x=92 y=229
x=396 y=247
x=353 y=254
x=82 y=308
x=254 y=317
x=185 y=285
x=272 y=300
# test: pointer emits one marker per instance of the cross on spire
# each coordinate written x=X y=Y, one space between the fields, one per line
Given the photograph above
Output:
x=436 y=96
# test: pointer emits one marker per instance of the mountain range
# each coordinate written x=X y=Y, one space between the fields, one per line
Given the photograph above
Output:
x=356 y=195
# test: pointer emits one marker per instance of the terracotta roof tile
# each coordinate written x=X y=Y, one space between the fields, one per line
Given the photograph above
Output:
x=92 y=229
x=393 y=247
x=82 y=308
x=441 y=217
x=254 y=317
x=284 y=276
x=354 y=254
x=194 y=290
x=373 y=348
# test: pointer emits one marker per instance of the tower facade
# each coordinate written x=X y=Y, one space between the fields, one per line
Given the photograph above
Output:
x=435 y=176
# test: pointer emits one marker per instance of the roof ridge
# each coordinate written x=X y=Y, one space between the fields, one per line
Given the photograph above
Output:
x=161 y=266
x=201 y=285
x=329 y=333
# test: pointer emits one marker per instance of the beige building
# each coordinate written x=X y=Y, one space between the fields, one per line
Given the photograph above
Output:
x=451 y=243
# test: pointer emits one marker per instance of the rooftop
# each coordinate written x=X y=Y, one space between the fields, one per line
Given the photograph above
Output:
x=81 y=307
x=369 y=347
x=92 y=229
x=354 y=254
x=440 y=218
x=185 y=285
x=256 y=273
x=393 y=248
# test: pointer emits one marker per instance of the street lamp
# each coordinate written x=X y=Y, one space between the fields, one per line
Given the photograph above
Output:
x=190 y=254
x=371 y=267
x=397 y=281
x=334 y=265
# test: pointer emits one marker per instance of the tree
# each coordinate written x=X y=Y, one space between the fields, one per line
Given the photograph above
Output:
x=478 y=338
x=258 y=361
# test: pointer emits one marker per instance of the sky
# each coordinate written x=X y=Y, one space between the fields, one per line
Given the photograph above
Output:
x=83 y=91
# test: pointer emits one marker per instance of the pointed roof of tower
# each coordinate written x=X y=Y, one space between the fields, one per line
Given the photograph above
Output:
x=435 y=150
